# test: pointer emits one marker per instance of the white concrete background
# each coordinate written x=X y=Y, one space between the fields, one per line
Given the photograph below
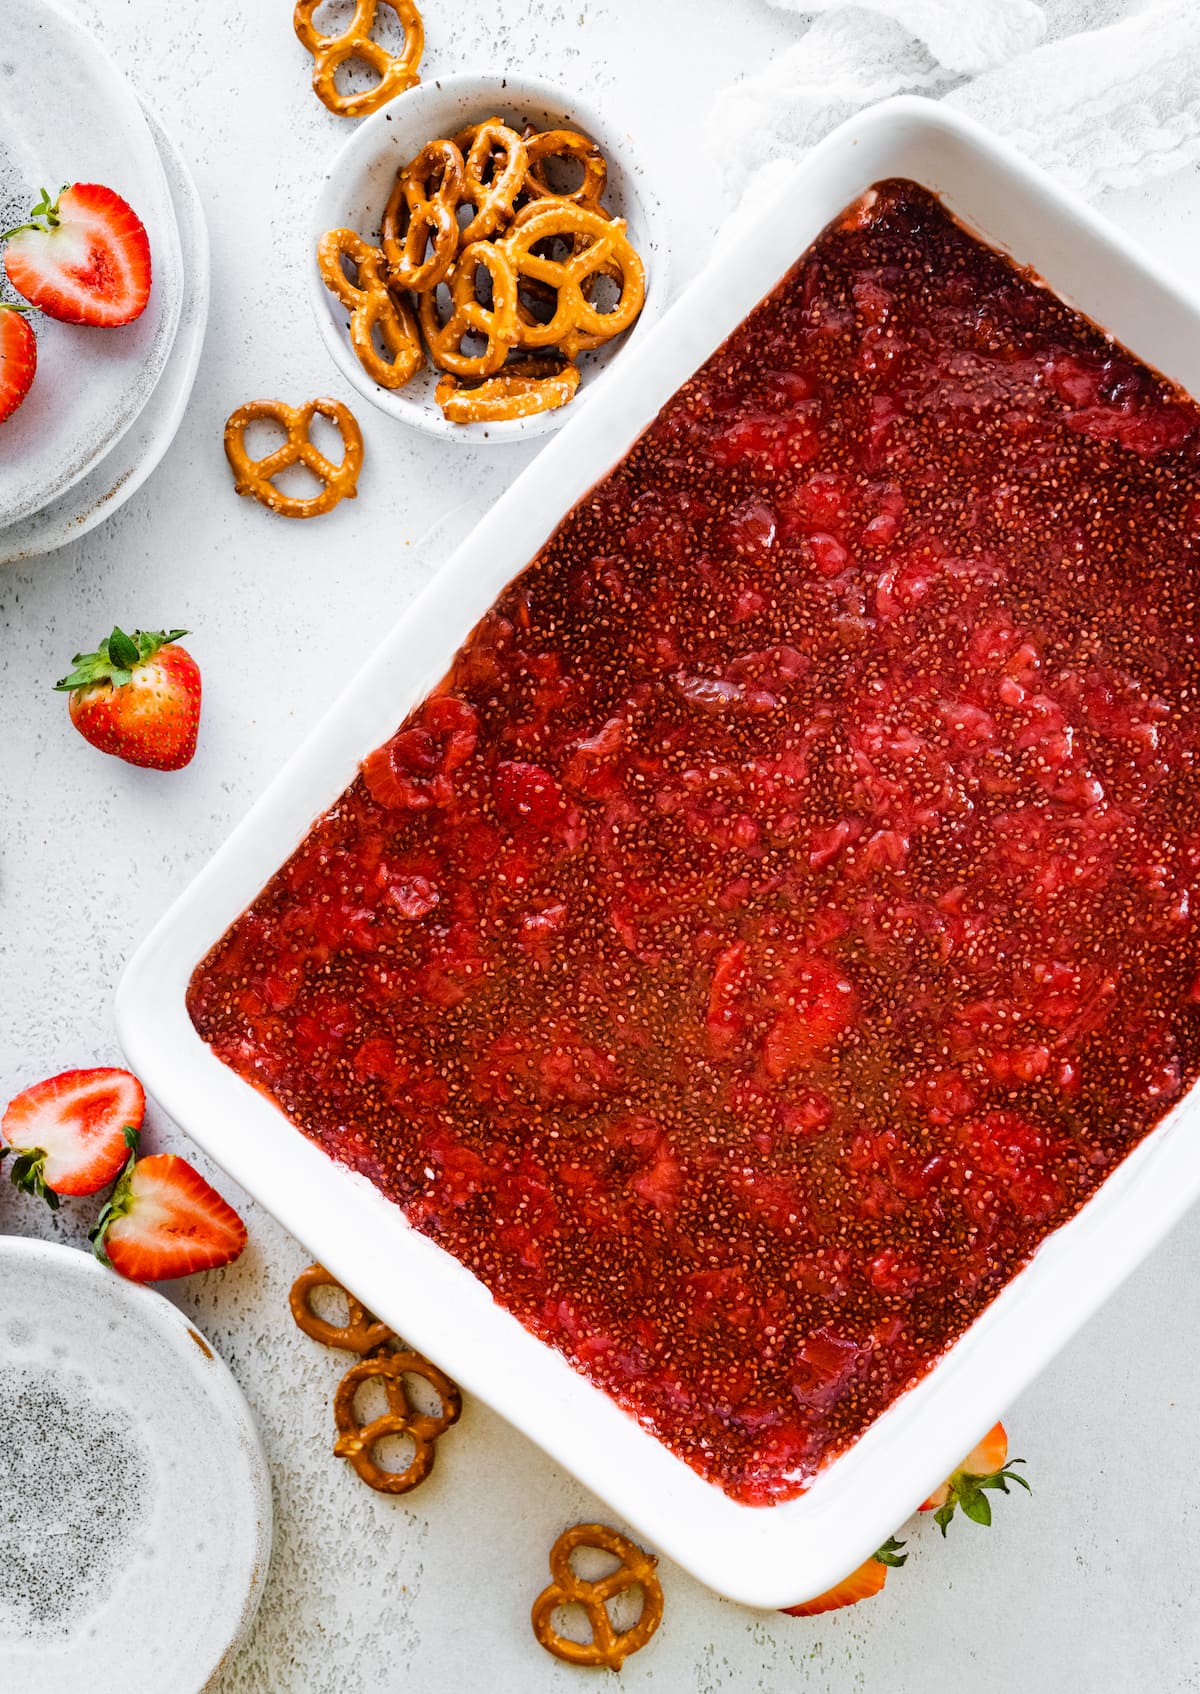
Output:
x=1094 y=1582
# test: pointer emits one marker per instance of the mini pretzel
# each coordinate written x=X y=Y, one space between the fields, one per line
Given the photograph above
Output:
x=537 y=304
x=372 y=307
x=253 y=476
x=566 y=144
x=356 y=1442
x=361 y=1333
x=599 y=246
x=496 y=325
x=608 y=1646
x=420 y=223
x=522 y=388
x=396 y=72
x=495 y=167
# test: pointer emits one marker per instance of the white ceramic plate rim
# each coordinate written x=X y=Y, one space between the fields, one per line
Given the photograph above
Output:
x=124 y=469
x=765 y=1557
x=446 y=104
x=168 y=282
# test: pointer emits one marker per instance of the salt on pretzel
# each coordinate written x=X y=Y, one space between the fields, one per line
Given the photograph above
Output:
x=396 y=72
x=361 y=1333
x=253 y=476
x=608 y=1646
x=565 y=144
x=598 y=246
x=495 y=324
x=356 y=1442
x=495 y=167
x=372 y=307
x=420 y=221
x=522 y=388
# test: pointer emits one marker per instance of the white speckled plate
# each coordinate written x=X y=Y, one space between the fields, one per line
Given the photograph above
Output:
x=68 y=115
x=136 y=1528
x=122 y=471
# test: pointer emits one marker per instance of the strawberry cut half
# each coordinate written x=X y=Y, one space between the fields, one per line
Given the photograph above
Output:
x=83 y=258
x=18 y=358
x=164 y=1220
x=68 y=1133
x=986 y=1467
x=868 y=1579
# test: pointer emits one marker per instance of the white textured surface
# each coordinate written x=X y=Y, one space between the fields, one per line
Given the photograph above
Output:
x=1092 y=1582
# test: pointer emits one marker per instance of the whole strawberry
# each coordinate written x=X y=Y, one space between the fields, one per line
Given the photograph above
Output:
x=138 y=697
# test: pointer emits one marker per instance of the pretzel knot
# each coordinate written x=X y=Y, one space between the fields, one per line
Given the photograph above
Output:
x=596 y=246
x=396 y=72
x=253 y=476
x=495 y=324
x=608 y=1646
x=372 y=307
x=357 y=1441
x=420 y=222
x=495 y=166
x=361 y=1332
x=565 y=144
x=523 y=387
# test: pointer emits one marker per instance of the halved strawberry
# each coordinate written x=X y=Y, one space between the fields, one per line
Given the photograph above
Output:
x=68 y=1133
x=83 y=258
x=412 y=771
x=163 y=1220
x=18 y=358
x=138 y=697
x=985 y=1466
x=868 y=1579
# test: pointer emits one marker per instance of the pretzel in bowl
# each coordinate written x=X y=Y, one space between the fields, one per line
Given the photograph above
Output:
x=565 y=144
x=420 y=221
x=372 y=307
x=357 y=1441
x=494 y=325
x=253 y=476
x=609 y=1645
x=495 y=167
x=523 y=387
x=598 y=246
x=396 y=72
x=361 y=1332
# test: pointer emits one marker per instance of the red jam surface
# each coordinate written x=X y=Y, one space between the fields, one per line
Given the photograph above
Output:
x=780 y=920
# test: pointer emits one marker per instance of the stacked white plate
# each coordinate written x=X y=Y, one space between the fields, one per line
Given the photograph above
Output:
x=105 y=403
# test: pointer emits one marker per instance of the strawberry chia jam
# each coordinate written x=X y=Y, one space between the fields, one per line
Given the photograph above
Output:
x=780 y=919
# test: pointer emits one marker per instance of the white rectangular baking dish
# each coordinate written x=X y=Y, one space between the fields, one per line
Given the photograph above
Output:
x=762 y=1557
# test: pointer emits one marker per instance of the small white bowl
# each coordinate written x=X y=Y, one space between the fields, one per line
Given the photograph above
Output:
x=356 y=190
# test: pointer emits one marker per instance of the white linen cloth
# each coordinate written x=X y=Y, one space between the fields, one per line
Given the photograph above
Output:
x=1100 y=92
